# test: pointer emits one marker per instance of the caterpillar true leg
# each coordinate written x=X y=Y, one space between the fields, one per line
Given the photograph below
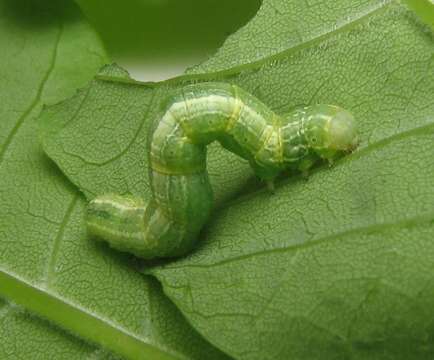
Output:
x=181 y=193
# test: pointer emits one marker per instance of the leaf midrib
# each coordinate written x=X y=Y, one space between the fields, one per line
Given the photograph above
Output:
x=423 y=220
x=78 y=320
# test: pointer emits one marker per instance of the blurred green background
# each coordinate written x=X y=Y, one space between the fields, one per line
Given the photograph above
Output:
x=159 y=39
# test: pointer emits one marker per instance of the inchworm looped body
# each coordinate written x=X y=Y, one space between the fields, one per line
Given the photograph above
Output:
x=169 y=224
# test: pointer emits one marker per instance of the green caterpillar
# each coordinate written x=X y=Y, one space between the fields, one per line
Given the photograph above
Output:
x=169 y=224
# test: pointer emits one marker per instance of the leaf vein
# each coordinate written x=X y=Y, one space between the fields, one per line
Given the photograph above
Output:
x=51 y=263
x=37 y=98
x=423 y=220
x=78 y=320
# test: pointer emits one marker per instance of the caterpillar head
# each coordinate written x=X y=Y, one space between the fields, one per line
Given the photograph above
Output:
x=330 y=131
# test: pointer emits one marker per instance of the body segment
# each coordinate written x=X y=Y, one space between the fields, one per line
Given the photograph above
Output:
x=181 y=193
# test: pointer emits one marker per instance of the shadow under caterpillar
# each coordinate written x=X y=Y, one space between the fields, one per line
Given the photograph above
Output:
x=168 y=225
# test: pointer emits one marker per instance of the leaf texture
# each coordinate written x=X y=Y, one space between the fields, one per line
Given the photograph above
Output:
x=335 y=267
x=282 y=25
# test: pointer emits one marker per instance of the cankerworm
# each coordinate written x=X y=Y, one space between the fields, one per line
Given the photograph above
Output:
x=168 y=225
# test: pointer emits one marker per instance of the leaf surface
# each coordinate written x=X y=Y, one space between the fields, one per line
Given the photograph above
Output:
x=336 y=267
x=47 y=265
x=282 y=25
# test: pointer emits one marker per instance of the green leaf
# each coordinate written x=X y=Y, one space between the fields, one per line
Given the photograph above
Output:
x=47 y=265
x=282 y=25
x=336 y=267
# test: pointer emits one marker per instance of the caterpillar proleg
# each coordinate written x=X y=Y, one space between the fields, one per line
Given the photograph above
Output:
x=181 y=202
